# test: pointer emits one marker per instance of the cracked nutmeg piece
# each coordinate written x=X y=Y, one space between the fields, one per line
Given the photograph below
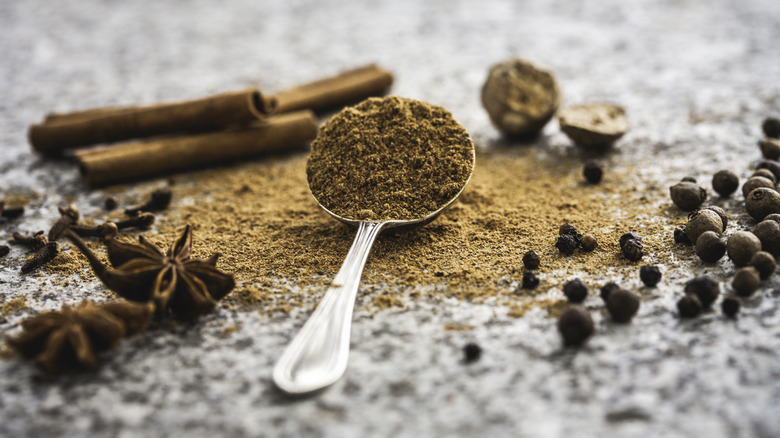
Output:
x=70 y=338
x=597 y=125
x=173 y=281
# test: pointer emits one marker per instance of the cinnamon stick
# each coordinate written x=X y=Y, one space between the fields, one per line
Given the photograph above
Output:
x=63 y=131
x=128 y=161
x=345 y=88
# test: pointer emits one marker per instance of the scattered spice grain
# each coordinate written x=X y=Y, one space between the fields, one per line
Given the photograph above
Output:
x=4 y=250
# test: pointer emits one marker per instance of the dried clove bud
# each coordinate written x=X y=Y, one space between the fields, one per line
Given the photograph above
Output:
x=575 y=326
x=705 y=288
x=709 y=247
x=531 y=260
x=593 y=171
x=730 y=306
x=687 y=195
x=725 y=182
x=746 y=280
x=765 y=264
x=10 y=212
x=68 y=216
x=159 y=200
x=34 y=242
x=622 y=305
x=689 y=306
x=40 y=257
x=575 y=290
x=107 y=230
x=761 y=202
x=771 y=127
x=650 y=275
x=143 y=221
x=741 y=247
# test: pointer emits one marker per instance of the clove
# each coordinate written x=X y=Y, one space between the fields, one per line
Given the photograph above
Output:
x=159 y=200
x=107 y=230
x=34 y=242
x=143 y=221
x=40 y=257
x=4 y=250
x=10 y=213
x=68 y=216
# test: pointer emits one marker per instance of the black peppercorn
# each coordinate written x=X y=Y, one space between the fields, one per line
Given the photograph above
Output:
x=567 y=228
x=566 y=244
x=575 y=290
x=588 y=243
x=764 y=263
x=771 y=127
x=629 y=236
x=689 y=306
x=593 y=171
x=746 y=280
x=622 y=305
x=722 y=214
x=705 y=288
x=681 y=237
x=4 y=250
x=575 y=326
x=741 y=247
x=762 y=202
x=471 y=352
x=607 y=290
x=725 y=182
x=531 y=260
x=530 y=280
x=687 y=195
x=110 y=203
x=730 y=306
x=688 y=178
x=709 y=247
x=650 y=275
x=633 y=250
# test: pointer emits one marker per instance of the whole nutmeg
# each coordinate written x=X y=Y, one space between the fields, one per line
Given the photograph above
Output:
x=687 y=195
x=770 y=148
x=519 y=97
x=705 y=288
x=622 y=305
x=746 y=280
x=766 y=173
x=725 y=182
x=755 y=182
x=762 y=202
x=771 y=127
x=768 y=232
x=633 y=250
x=596 y=125
x=764 y=263
x=689 y=306
x=722 y=213
x=575 y=326
x=700 y=221
x=741 y=247
x=709 y=247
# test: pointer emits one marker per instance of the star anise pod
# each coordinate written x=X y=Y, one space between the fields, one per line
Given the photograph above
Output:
x=174 y=281
x=71 y=337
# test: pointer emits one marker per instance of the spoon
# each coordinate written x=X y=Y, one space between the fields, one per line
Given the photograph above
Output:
x=317 y=356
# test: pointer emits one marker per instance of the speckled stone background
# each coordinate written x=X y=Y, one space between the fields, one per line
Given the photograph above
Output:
x=696 y=77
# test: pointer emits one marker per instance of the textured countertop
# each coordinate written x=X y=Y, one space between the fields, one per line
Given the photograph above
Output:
x=696 y=79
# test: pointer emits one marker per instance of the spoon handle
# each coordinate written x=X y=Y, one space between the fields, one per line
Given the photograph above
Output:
x=317 y=356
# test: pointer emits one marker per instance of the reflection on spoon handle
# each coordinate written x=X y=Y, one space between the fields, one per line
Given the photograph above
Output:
x=317 y=357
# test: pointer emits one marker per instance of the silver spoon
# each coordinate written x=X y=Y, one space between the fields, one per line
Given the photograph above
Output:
x=317 y=356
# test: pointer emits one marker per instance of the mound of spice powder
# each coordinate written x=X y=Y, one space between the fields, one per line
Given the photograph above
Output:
x=389 y=158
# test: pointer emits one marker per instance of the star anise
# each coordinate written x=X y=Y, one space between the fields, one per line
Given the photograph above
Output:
x=173 y=281
x=71 y=337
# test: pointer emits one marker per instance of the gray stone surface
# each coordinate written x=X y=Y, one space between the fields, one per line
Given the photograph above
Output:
x=696 y=78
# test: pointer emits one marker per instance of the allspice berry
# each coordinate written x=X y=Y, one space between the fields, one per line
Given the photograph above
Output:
x=746 y=280
x=531 y=260
x=588 y=243
x=703 y=220
x=575 y=326
x=741 y=247
x=766 y=173
x=768 y=232
x=530 y=280
x=755 y=182
x=722 y=213
x=687 y=195
x=705 y=288
x=761 y=202
x=575 y=290
x=593 y=171
x=725 y=182
x=595 y=126
x=633 y=250
x=622 y=305
x=765 y=263
x=770 y=148
x=520 y=98
x=607 y=290
x=730 y=306
x=650 y=275
x=771 y=127
x=709 y=247
x=772 y=165
x=773 y=217
x=689 y=306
